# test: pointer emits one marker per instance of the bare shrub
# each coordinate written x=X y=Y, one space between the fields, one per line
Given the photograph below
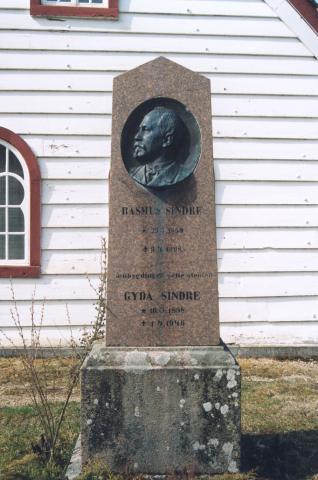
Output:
x=41 y=376
x=40 y=381
x=97 y=327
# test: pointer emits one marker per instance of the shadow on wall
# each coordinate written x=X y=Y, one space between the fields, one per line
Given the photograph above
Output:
x=281 y=456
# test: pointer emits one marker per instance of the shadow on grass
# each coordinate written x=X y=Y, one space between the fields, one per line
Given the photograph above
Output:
x=281 y=456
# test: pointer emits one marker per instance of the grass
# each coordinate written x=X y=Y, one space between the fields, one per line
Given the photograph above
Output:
x=279 y=396
x=12 y=380
x=19 y=427
x=279 y=419
x=279 y=422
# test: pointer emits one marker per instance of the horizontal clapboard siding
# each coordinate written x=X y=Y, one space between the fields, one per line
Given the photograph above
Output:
x=245 y=333
x=149 y=43
x=223 y=105
x=228 y=216
x=223 y=127
x=53 y=313
x=231 y=311
x=227 y=238
x=260 y=333
x=118 y=61
x=247 y=8
x=56 y=91
x=56 y=314
x=229 y=148
x=158 y=23
x=79 y=81
x=233 y=286
x=227 y=193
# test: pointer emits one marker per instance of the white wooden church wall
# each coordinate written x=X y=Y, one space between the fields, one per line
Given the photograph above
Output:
x=55 y=90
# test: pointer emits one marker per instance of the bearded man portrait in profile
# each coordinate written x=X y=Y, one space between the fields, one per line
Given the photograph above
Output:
x=155 y=147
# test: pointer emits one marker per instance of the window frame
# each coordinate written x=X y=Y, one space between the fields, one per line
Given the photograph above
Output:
x=38 y=9
x=72 y=3
x=33 y=184
x=24 y=206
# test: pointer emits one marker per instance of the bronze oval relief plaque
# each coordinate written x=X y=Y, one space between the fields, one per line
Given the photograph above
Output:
x=160 y=143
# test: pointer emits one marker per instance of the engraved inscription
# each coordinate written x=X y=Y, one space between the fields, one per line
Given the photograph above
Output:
x=169 y=295
x=163 y=230
x=164 y=309
x=163 y=275
x=148 y=210
x=162 y=323
x=163 y=249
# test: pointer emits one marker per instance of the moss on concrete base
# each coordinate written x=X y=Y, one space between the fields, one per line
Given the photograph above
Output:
x=161 y=410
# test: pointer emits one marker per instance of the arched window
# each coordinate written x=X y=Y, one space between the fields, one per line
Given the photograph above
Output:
x=19 y=208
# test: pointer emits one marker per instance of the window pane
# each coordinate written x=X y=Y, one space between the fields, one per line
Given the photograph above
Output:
x=2 y=190
x=2 y=219
x=2 y=247
x=16 y=247
x=2 y=158
x=16 y=220
x=14 y=165
x=97 y=1
x=16 y=192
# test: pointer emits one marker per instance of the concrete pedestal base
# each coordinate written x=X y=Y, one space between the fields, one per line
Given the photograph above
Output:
x=161 y=410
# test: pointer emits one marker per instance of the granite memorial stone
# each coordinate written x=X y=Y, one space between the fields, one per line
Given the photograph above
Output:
x=163 y=395
x=162 y=270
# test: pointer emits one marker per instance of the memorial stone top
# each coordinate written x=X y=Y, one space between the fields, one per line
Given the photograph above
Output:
x=162 y=269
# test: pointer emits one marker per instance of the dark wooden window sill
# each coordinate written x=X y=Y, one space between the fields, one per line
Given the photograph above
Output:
x=20 y=271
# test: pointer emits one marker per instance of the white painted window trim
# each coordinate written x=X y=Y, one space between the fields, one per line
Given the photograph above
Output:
x=75 y=3
x=296 y=23
x=25 y=206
